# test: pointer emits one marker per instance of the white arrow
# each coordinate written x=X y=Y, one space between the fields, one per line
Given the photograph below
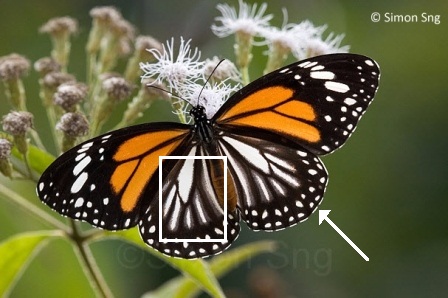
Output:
x=323 y=215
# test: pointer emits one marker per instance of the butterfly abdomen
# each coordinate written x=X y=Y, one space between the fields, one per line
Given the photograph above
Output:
x=217 y=178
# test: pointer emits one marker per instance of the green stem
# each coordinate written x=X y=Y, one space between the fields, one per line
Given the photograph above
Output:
x=245 y=75
x=88 y=263
x=61 y=49
x=27 y=165
x=51 y=114
x=91 y=68
x=37 y=140
x=179 y=107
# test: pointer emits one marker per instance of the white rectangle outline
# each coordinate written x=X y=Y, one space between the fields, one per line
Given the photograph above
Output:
x=161 y=158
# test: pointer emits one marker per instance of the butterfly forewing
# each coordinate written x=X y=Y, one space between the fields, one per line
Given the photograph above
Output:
x=103 y=181
x=316 y=102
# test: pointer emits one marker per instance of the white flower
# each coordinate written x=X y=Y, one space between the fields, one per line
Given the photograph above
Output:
x=248 y=20
x=173 y=69
x=211 y=97
x=283 y=37
x=303 y=40
x=220 y=70
x=305 y=32
x=332 y=44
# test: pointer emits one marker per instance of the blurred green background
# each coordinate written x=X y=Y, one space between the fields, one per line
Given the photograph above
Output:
x=388 y=188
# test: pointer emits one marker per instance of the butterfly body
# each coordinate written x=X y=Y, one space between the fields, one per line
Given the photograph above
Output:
x=272 y=132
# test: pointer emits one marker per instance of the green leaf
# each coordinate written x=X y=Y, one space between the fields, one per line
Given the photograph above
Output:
x=15 y=254
x=227 y=261
x=196 y=270
x=39 y=160
x=219 y=265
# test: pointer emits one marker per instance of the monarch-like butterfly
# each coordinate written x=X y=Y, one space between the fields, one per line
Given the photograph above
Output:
x=272 y=132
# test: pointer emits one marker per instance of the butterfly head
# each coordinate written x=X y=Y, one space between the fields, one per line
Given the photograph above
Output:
x=202 y=125
x=198 y=114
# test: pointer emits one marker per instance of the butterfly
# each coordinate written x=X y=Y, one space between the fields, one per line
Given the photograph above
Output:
x=272 y=133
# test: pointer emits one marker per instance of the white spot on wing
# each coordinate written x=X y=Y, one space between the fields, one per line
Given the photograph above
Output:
x=336 y=87
x=369 y=62
x=349 y=101
x=307 y=64
x=312 y=172
x=80 y=156
x=79 y=202
x=84 y=149
x=81 y=165
x=265 y=214
x=322 y=75
x=79 y=182
x=318 y=67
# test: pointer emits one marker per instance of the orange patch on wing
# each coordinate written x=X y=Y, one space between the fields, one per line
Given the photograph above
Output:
x=297 y=109
x=141 y=144
x=262 y=99
x=280 y=124
x=131 y=177
x=138 y=182
x=122 y=174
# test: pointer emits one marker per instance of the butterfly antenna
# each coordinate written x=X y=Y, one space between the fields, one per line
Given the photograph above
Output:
x=209 y=77
x=170 y=93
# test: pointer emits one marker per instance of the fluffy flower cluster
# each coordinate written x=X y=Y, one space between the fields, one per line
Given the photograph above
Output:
x=208 y=83
x=302 y=39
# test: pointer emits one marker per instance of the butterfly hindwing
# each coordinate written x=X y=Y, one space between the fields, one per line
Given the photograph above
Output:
x=316 y=102
x=103 y=180
x=277 y=185
x=192 y=223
